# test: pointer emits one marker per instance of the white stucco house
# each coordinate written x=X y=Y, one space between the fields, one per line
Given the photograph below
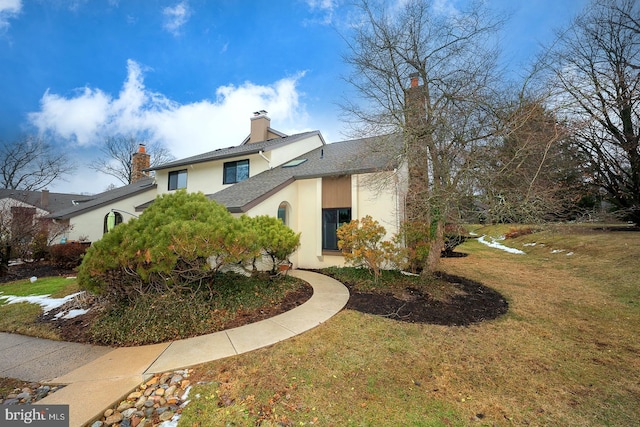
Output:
x=312 y=186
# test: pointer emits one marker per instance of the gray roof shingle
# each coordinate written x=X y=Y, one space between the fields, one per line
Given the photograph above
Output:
x=240 y=150
x=56 y=201
x=339 y=158
x=105 y=198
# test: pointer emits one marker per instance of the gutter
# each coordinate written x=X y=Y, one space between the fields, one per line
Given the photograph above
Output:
x=261 y=153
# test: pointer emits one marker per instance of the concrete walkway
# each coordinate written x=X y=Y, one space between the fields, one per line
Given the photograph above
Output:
x=98 y=377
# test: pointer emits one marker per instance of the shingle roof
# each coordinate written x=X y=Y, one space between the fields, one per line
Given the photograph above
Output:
x=224 y=153
x=56 y=201
x=339 y=158
x=106 y=198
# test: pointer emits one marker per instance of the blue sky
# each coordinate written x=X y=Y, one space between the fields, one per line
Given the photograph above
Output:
x=189 y=73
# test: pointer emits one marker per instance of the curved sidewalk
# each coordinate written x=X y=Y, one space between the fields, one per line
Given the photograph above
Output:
x=95 y=386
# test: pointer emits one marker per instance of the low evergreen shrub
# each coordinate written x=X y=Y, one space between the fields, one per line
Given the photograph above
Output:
x=180 y=242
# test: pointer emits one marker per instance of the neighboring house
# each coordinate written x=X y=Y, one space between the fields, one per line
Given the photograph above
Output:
x=24 y=214
x=312 y=186
x=87 y=218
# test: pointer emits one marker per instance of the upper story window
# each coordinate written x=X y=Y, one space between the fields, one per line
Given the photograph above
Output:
x=235 y=171
x=178 y=179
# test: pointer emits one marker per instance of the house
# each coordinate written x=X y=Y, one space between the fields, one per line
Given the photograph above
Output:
x=314 y=187
x=24 y=214
x=86 y=219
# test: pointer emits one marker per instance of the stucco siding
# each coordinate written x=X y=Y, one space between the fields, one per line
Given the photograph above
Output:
x=90 y=225
x=282 y=155
x=372 y=194
x=208 y=177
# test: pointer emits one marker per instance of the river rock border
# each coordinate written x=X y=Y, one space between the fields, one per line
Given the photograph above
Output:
x=29 y=394
x=153 y=402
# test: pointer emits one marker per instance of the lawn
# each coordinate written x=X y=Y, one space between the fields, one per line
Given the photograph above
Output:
x=566 y=353
x=21 y=317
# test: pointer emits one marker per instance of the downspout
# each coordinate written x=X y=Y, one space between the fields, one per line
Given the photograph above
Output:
x=261 y=153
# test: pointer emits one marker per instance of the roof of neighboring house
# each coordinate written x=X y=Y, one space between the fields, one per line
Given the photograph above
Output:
x=240 y=150
x=106 y=198
x=52 y=201
x=340 y=158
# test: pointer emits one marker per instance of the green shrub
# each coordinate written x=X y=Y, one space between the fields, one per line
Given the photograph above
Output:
x=276 y=240
x=180 y=241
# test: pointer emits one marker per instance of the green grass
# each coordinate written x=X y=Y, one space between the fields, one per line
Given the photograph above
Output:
x=21 y=318
x=565 y=354
x=55 y=286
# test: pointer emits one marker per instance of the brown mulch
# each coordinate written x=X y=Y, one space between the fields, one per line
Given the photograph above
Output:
x=471 y=303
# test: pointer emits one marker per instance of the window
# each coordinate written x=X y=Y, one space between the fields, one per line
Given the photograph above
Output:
x=118 y=220
x=283 y=210
x=235 y=171
x=178 y=179
x=331 y=220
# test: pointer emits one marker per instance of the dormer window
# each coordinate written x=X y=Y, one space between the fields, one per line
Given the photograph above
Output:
x=235 y=171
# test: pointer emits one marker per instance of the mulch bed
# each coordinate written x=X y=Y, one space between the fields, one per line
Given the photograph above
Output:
x=472 y=303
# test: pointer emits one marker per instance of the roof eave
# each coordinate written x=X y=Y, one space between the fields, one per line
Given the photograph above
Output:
x=101 y=204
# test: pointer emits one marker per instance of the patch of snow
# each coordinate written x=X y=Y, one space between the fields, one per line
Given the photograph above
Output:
x=569 y=253
x=557 y=251
x=44 y=301
x=473 y=233
x=173 y=422
x=72 y=313
x=407 y=273
x=494 y=244
x=529 y=244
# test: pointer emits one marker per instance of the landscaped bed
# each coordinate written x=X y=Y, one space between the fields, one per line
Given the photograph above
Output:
x=443 y=299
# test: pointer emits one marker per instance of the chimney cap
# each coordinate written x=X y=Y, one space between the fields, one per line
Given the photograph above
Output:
x=414 y=79
x=260 y=113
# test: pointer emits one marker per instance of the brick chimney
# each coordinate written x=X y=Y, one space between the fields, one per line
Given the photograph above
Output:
x=259 y=127
x=140 y=161
x=414 y=103
x=416 y=138
x=44 y=199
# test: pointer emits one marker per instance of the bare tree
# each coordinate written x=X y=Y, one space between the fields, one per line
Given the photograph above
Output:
x=116 y=156
x=534 y=172
x=31 y=164
x=596 y=63
x=445 y=113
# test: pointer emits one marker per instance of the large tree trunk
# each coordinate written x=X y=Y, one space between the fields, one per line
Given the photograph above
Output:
x=435 y=249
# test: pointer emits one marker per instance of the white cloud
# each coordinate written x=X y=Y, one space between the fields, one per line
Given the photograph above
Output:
x=175 y=17
x=9 y=9
x=447 y=8
x=322 y=4
x=78 y=118
x=88 y=116
x=325 y=8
